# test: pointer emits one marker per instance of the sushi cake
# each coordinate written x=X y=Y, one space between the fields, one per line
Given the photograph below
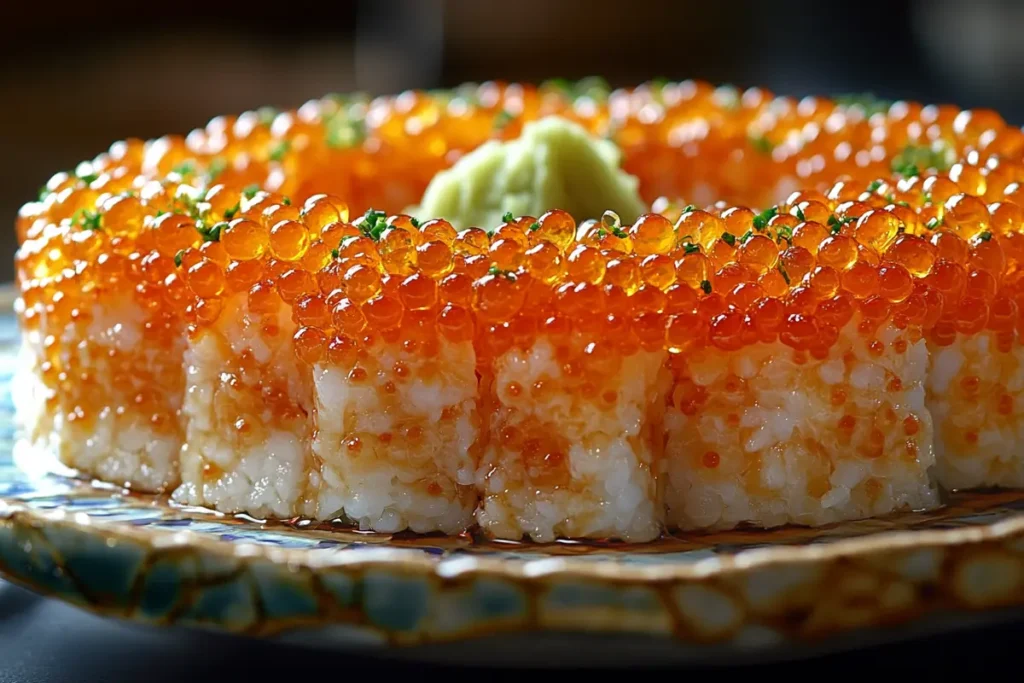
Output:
x=537 y=312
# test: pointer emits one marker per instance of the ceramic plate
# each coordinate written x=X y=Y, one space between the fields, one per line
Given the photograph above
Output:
x=788 y=592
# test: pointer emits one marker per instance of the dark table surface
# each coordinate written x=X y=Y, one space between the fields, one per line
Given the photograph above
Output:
x=45 y=640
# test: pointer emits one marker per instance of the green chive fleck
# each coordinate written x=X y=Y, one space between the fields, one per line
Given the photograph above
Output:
x=985 y=236
x=230 y=213
x=691 y=249
x=800 y=214
x=217 y=166
x=535 y=226
x=250 y=191
x=706 y=286
x=761 y=219
x=782 y=271
x=746 y=236
x=729 y=238
x=177 y=258
x=279 y=149
x=508 y=217
x=689 y=208
x=762 y=144
x=185 y=168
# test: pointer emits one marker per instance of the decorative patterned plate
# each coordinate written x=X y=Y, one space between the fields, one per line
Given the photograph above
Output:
x=787 y=592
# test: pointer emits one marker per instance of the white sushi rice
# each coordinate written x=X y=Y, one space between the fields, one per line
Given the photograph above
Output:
x=119 y=443
x=976 y=443
x=241 y=454
x=780 y=454
x=613 y=451
x=398 y=445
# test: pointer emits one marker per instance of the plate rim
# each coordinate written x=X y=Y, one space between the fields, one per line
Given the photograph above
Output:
x=520 y=568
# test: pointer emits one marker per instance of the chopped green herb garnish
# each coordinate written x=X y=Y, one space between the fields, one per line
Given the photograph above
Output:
x=87 y=178
x=43 y=191
x=535 y=226
x=217 y=166
x=761 y=219
x=706 y=286
x=688 y=208
x=177 y=258
x=185 y=168
x=746 y=236
x=343 y=131
x=890 y=197
x=800 y=214
x=903 y=204
x=729 y=238
x=690 y=248
x=373 y=224
x=913 y=158
x=503 y=118
x=908 y=170
x=279 y=149
x=875 y=184
x=508 y=217
x=87 y=220
x=250 y=191
x=230 y=213
x=334 y=253
x=211 y=234
x=415 y=222
x=287 y=201
x=601 y=232
x=266 y=115
x=498 y=272
x=762 y=144
x=985 y=236
x=160 y=212
x=837 y=224
x=620 y=233
x=783 y=272
x=933 y=223
x=869 y=103
x=784 y=233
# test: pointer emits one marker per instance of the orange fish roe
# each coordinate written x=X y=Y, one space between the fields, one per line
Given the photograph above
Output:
x=817 y=229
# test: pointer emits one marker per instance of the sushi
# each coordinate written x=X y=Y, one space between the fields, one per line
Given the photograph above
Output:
x=297 y=315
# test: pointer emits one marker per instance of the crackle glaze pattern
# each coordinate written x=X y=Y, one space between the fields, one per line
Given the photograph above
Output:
x=137 y=557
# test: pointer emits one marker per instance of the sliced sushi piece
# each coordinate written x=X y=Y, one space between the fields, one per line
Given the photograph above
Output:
x=574 y=442
x=975 y=392
x=397 y=423
x=101 y=381
x=248 y=409
x=765 y=435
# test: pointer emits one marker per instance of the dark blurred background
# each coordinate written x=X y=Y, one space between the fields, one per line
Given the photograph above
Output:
x=75 y=77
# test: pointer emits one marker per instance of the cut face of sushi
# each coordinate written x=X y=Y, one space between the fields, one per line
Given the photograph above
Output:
x=248 y=405
x=101 y=390
x=976 y=396
x=397 y=430
x=574 y=442
x=760 y=436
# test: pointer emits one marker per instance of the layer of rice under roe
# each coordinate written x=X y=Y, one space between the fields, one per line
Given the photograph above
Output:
x=248 y=404
x=572 y=456
x=102 y=395
x=975 y=392
x=755 y=437
x=397 y=435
